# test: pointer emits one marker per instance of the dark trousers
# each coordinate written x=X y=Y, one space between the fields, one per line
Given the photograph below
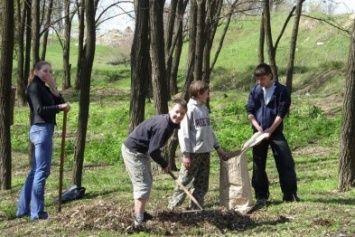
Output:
x=284 y=163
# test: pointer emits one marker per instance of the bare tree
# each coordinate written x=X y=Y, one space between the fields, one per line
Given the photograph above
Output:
x=84 y=102
x=157 y=48
x=81 y=17
x=23 y=38
x=139 y=64
x=346 y=170
x=291 y=57
x=46 y=27
x=7 y=46
x=68 y=17
x=35 y=26
x=268 y=35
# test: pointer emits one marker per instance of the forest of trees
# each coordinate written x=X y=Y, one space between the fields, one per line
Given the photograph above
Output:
x=26 y=25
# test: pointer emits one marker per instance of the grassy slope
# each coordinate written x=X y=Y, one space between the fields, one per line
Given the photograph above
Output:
x=312 y=130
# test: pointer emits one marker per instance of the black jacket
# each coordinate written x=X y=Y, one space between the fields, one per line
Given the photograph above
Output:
x=43 y=104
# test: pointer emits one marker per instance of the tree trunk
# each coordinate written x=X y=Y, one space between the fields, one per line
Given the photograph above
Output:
x=139 y=64
x=200 y=38
x=7 y=46
x=47 y=25
x=169 y=45
x=35 y=31
x=87 y=62
x=172 y=77
x=81 y=16
x=292 y=55
x=189 y=77
x=21 y=78
x=66 y=49
x=346 y=171
x=261 y=56
x=28 y=65
x=159 y=83
x=212 y=19
x=268 y=36
x=224 y=32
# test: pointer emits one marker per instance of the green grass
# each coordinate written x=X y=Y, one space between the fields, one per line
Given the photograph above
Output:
x=312 y=129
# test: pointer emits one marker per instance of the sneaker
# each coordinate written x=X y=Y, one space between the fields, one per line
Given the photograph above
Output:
x=147 y=216
x=137 y=225
x=291 y=198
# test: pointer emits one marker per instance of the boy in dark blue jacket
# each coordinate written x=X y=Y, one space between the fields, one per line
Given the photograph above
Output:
x=144 y=142
x=268 y=104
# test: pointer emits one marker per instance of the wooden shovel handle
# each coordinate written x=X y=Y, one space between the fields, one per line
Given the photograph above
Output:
x=186 y=190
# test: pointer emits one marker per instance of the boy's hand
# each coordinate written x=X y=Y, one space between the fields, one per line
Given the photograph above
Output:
x=186 y=161
x=167 y=169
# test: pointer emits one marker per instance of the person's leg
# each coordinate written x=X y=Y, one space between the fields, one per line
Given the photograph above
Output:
x=23 y=208
x=185 y=178
x=42 y=138
x=139 y=171
x=260 y=180
x=285 y=166
x=201 y=180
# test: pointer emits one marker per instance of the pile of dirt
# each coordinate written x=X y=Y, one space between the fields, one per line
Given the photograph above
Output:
x=110 y=216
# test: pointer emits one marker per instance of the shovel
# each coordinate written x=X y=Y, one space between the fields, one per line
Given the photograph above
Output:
x=186 y=190
x=64 y=130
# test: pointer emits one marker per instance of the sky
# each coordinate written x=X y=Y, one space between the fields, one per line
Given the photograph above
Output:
x=122 y=22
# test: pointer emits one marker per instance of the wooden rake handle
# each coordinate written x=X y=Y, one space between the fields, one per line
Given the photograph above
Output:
x=186 y=190
x=61 y=164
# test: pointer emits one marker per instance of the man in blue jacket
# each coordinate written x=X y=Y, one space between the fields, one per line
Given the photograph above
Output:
x=268 y=104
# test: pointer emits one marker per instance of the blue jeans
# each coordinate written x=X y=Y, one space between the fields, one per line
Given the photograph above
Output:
x=284 y=163
x=31 y=200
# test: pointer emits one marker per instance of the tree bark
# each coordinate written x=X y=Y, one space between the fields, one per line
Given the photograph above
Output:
x=189 y=77
x=157 y=48
x=261 y=56
x=139 y=64
x=292 y=55
x=268 y=36
x=169 y=45
x=346 y=168
x=47 y=25
x=66 y=49
x=7 y=46
x=84 y=102
x=35 y=30
x=81 y=16
x=200 y=39
x=22 y=7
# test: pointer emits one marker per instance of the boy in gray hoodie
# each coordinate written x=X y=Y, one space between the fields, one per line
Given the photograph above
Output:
x=197 y=140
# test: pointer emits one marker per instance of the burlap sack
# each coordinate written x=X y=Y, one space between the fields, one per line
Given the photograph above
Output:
x=235 y=187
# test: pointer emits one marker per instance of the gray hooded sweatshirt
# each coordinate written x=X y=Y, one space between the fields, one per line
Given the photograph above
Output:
x=195 y=133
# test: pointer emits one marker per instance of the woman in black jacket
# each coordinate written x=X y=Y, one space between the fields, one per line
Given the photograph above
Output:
x=45 y=102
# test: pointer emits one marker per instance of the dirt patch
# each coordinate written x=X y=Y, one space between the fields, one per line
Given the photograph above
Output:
x=313 y=150
x=111 y=216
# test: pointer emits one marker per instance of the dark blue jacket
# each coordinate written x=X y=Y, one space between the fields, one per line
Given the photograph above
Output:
x=151 y=135
x=265 y=115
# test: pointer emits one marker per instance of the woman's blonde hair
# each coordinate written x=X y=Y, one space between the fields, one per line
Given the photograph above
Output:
x=38 y=66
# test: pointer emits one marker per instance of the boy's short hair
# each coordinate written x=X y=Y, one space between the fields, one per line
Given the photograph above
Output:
x=262 y=69
x=181 y=102
x=197 y=87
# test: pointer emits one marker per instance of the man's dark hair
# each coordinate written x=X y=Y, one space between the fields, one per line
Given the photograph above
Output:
x=181 y=102
x=262 y=69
